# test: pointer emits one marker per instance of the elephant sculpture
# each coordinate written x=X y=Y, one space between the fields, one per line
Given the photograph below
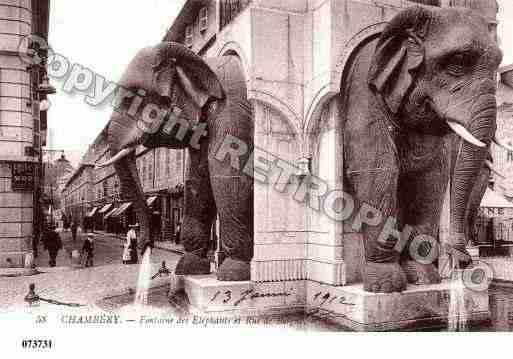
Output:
x=431 y=74
x=476 y=196
x=173 y=98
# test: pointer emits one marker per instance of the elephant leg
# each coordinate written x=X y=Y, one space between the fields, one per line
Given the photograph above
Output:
x=421 y=198
x=377 y=189
x=199 y=213
x=234 y=200
x=233 y=192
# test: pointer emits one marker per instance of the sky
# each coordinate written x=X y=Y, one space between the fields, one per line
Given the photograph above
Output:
x=104 y=35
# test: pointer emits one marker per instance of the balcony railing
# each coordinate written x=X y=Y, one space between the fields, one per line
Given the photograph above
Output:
x=229 y=9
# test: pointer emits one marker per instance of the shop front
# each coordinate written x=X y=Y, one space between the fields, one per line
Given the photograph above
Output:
x=90 y=219
x=172 y=213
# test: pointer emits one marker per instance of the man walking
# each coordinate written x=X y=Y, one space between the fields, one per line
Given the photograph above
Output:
x=74 y=228
x=88 y=250
x=53 y=244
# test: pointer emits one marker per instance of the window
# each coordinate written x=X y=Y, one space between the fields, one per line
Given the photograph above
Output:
x=229 y=9
x=157 y=162
x=178 y=162
x=203 y=19
x=168 y=163
x=188 y=35
x=510 y=154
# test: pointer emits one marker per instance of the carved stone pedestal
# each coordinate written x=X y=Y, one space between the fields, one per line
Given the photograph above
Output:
x=419 y=307
x=208 y=296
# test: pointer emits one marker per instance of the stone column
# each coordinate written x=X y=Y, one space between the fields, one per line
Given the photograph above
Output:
x=280 y=236
x=16 y=133
x=334 y=257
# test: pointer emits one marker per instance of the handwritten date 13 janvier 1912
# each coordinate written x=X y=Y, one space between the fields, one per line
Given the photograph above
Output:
x=228 y=296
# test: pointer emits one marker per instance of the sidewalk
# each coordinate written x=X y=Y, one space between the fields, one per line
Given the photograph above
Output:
x=163 y=245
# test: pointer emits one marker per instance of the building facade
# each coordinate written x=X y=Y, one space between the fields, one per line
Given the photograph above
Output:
x=294 y=55
x=22 y=128
x=504 y=159
x=92 y=194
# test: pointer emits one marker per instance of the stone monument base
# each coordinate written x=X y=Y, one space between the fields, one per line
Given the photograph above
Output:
x=419 y=307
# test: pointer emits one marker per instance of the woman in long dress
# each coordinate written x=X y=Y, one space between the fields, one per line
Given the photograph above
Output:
x=130 y=249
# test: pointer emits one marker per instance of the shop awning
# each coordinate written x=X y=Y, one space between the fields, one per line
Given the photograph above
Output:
x=105 y=208
x=151 y=200
x=93 y=212
x=492 y=199
x=110 y=213
x=122 y=209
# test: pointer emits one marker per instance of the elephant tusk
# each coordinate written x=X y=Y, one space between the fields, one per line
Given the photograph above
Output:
x=494 y=169
x=463 y=133
x=502 y=144
x=121 y=154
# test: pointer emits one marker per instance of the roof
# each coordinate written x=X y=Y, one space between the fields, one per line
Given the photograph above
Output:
x=492 y=199
x=78 y=171
x=87 y=160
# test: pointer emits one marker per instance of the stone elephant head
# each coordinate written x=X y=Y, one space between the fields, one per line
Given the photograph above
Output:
x=430 y=78
x=435 y=71
x=165 y=92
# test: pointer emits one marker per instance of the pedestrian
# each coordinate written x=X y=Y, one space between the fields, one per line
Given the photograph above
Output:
x=53 y=244
x=74 y=228
x=35 y=244
x=177 y=233
x=130 y=248
x=65 y=222
x=88 y=250
x=155 y=226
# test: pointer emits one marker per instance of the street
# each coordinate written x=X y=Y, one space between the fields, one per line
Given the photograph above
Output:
x=108 y=250
x=84 y=286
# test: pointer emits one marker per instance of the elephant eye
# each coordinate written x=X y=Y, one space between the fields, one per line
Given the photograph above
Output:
x=459 y=63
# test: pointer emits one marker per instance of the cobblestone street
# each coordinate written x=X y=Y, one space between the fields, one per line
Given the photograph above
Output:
x=83 y=286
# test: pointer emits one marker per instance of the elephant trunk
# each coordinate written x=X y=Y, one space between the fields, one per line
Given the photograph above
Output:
x=124 y=138
x=467 y=162
x=475 y=201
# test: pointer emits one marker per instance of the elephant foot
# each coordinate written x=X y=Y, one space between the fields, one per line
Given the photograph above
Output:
x=384 y=278
x=191 y=264
x=418 y=273
x=234 y=271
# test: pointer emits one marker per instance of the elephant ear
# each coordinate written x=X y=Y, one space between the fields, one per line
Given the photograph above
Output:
x=399 y=53
x=175 y=62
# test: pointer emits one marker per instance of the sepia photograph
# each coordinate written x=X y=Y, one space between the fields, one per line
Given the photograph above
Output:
x=207 y=169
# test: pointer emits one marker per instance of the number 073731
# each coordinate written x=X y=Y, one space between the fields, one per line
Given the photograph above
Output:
x=37 y=344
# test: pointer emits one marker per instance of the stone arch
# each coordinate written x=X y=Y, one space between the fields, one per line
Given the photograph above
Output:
x=330 y=90
x=234 y=48
x=276 y=139
x=361 y=38
x=271 y=124
x=292 y=118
